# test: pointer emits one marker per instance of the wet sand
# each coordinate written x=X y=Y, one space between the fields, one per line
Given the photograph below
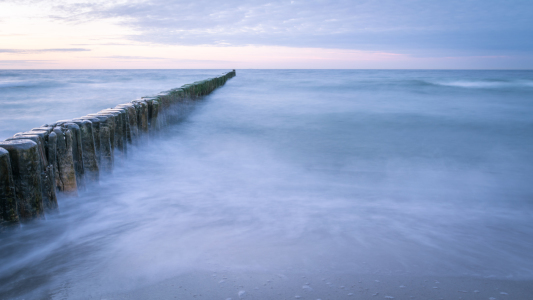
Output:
x=289 y=285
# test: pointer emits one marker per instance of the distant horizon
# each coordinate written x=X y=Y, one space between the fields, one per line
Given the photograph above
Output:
x=365 y=69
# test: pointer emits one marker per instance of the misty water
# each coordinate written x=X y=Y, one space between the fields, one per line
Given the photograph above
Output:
x=283 y=184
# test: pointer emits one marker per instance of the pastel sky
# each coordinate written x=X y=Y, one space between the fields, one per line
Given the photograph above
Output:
x=385 y=34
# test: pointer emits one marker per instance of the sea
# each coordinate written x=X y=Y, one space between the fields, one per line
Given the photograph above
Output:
x=289 y=184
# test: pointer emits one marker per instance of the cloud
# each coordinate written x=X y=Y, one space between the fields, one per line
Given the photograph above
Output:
x=172 y=60
x=201 y=61
x=130 y=57
x=416 y=27
x=23 y=61
x=28 y=51
x=104 y=44
x=388 y=25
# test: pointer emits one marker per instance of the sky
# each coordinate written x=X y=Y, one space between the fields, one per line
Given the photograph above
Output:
x=314 y=34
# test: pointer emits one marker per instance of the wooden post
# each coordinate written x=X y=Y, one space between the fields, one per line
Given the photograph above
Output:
x=66 y=182
x=107 y=156
x=121 y=128
x=142 y=116
x=96 y=136
x=77 y=152
x=48 y=189
x=26 y=168
x=8 y=202
x=90 y=161
x=133 y=133
x=153 y=113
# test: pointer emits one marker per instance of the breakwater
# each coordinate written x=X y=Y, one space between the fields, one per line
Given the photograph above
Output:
x=62 y=158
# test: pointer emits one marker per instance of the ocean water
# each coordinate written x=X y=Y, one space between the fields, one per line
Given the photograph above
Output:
x=328 y=184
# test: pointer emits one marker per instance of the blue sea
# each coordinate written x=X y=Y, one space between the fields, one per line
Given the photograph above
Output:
x=284 y=184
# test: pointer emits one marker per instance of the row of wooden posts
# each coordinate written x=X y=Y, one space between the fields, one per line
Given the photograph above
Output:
x=64 y=156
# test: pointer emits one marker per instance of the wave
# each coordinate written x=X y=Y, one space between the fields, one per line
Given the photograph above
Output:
x=16 y=84
x=485 y=84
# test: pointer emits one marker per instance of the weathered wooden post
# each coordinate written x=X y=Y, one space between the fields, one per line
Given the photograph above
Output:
x=165 y=101
x=8 y=202
x=153 y=113
x=121 y=128
x=48 y=190
x=95 y=122
x=118 y=143
x=108 y=122
x=26 y=170
x=50 y=143
x=156 y=107
x=150 y=108
x=126 y=123
x=162 y=112
x=51 y=150
x=142 y=116
x=107 y=129
x=90 y=161
x=66 y=182
x=77 y=152
x=133 y=132
x=118 y=140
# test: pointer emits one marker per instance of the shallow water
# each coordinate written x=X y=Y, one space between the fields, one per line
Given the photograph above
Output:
x=412 y=174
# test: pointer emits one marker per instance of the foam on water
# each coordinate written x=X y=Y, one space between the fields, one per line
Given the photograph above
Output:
x=294 y=172
x=488 y=84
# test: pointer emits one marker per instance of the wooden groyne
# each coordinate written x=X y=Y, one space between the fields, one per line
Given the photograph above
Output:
x=64 y=157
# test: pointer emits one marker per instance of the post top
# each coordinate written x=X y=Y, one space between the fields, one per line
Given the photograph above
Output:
x=81 y=121
x=90 y=118
x=43 y=129
x=39 y=133
x=71 y=124
x=102 y=117
x=23 y=144
x=109 y=112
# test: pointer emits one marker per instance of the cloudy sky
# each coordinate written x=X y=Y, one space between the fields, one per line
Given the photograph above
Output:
x=464 y=34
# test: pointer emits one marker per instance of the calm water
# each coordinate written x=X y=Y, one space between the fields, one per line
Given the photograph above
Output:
x=404 y=173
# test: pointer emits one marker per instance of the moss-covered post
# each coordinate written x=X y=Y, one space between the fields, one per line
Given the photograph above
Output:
x=51 y=152
x=142 y=116
x=48 y=189
x=156 y=123
x=150 y=108
x=90 y=161
x=161 y=114
x=50 y=141
x=133 y=132
x=126 y=124
x=66 y=170
x=77 y=152
x=121 y=130
x=26 y=170
x=107 y=129
x=8 y=202
x=166 y=101
x=95 y=122
x=117 y=132
x=153 y=113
